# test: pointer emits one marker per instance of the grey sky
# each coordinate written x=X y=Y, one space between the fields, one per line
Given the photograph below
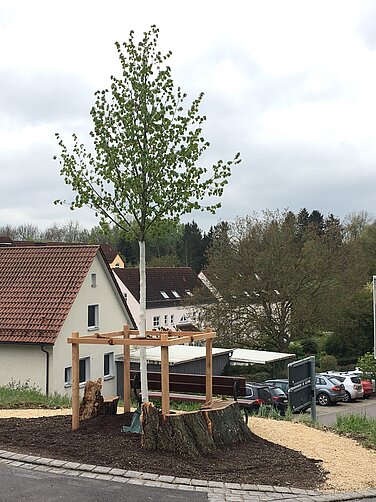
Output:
x=291 y=85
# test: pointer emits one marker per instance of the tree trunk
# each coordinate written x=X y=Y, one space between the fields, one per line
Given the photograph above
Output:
x=142 y=327
x=193 y=433
x=92 y=402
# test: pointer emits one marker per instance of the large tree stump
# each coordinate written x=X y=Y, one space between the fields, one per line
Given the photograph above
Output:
x=92 y=402
x=193 y=433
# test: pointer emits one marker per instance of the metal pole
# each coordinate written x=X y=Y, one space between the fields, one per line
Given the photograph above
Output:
x=313 y=387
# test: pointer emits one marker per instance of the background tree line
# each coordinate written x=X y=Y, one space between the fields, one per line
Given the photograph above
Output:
x=283 y=281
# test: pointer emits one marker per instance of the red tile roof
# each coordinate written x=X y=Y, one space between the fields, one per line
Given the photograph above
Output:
x=182 y=280
x=38 y=286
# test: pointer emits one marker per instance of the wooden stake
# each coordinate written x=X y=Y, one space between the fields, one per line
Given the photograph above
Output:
x=75 y=382
x=165 y=376
x=127 y=372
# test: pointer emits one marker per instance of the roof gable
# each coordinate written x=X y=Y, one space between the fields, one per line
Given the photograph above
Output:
x=38 y=286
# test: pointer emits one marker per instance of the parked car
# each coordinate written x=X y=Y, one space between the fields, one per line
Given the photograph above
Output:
x=367 y=384
x=329 y=390
x=282 y=383
x=280 y=399
x=263 y=394
x=367 y=387
x=352 y=384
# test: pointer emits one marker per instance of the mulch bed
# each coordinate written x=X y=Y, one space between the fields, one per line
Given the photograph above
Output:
x=100 y=441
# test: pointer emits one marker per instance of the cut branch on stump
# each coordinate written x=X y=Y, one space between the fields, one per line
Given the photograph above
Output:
x=193 y=433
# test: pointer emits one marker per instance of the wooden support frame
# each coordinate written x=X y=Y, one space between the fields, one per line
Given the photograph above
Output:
x=126 y=338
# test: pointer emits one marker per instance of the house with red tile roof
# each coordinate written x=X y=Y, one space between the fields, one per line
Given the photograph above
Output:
x=168 y=291
x=113 y=258
x=46 y=293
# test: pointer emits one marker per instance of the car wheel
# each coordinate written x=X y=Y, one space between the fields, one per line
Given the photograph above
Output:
x=323 y=400
x=347 y=398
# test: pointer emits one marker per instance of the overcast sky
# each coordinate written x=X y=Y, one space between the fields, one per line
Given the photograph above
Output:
x=289 y=84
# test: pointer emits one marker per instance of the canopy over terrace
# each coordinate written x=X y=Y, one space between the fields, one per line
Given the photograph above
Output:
x=127 y=337
x=247 y=356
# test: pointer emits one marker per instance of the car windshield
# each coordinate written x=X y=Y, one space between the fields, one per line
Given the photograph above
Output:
x=339 y=378
x=355 y=379
x=276 y=391
x=336 y=380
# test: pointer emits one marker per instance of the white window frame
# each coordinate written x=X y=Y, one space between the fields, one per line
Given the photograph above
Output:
x=96 y=316
x=166 y=319
x=165 y=295
x=68 y=376
x=172 y=319
x=111 y=365
x=68 y=372
x=156 y=321
x=175 y=293
x=86 y=362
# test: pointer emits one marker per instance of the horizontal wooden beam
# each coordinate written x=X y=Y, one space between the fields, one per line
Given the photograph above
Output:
x=109 y=339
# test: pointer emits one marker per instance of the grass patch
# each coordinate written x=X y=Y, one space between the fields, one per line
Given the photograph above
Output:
x=23 y=395
x=360 y=427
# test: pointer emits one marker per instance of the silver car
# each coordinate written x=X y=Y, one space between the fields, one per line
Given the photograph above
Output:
x=352 y=383
x=329 y=390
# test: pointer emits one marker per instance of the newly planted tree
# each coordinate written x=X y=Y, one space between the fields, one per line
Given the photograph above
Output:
x=143 y=165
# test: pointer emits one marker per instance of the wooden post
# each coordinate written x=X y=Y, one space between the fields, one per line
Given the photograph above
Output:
x=75 y=383
x=165 y=376
x=127 y=372
x=209 y=367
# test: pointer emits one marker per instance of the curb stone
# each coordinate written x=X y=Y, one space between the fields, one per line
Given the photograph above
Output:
x=216 y=490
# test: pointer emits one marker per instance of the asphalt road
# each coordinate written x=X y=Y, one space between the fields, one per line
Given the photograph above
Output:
x=326 y=415
x=21 y=485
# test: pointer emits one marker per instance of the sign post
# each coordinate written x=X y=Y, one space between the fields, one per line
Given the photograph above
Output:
x=302 y=385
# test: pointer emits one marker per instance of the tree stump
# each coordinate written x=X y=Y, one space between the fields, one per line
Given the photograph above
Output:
x=193 y=433
x=92 y=402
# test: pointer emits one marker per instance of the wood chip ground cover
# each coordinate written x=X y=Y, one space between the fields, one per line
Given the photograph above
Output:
x=280 y=453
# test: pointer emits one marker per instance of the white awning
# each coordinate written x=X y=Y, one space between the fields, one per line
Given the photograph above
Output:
x=177 y=354
x=247 y=356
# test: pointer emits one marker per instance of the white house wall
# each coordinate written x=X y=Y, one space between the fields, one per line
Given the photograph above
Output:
x=23 y=364
x=112 y=317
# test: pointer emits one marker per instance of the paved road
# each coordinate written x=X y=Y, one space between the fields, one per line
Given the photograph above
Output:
x=20 y=485
x=326 y=415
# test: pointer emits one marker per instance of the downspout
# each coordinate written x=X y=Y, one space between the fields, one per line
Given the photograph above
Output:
x=47 y=367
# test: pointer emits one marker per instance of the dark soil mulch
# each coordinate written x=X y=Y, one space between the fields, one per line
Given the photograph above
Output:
x=100 y=441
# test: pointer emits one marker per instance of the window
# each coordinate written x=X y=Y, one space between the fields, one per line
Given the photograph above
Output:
x=68 y=376
x=175 y=293
x=183 y=318
x=188 y=292
x=172 y=319
x=108 y=366
x=165 y=320
x=93 y=316
x=164 y=294
x=156 y=321
x=84 y=373
x=93 y=280
x=117 y=265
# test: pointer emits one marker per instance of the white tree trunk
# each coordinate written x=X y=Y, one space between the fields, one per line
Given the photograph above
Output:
x=142 y=326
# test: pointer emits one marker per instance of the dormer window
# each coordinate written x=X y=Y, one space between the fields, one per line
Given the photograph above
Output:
x=164 y=294
x=175 y=293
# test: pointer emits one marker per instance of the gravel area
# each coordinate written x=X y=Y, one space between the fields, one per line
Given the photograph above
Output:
x=351 y=467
